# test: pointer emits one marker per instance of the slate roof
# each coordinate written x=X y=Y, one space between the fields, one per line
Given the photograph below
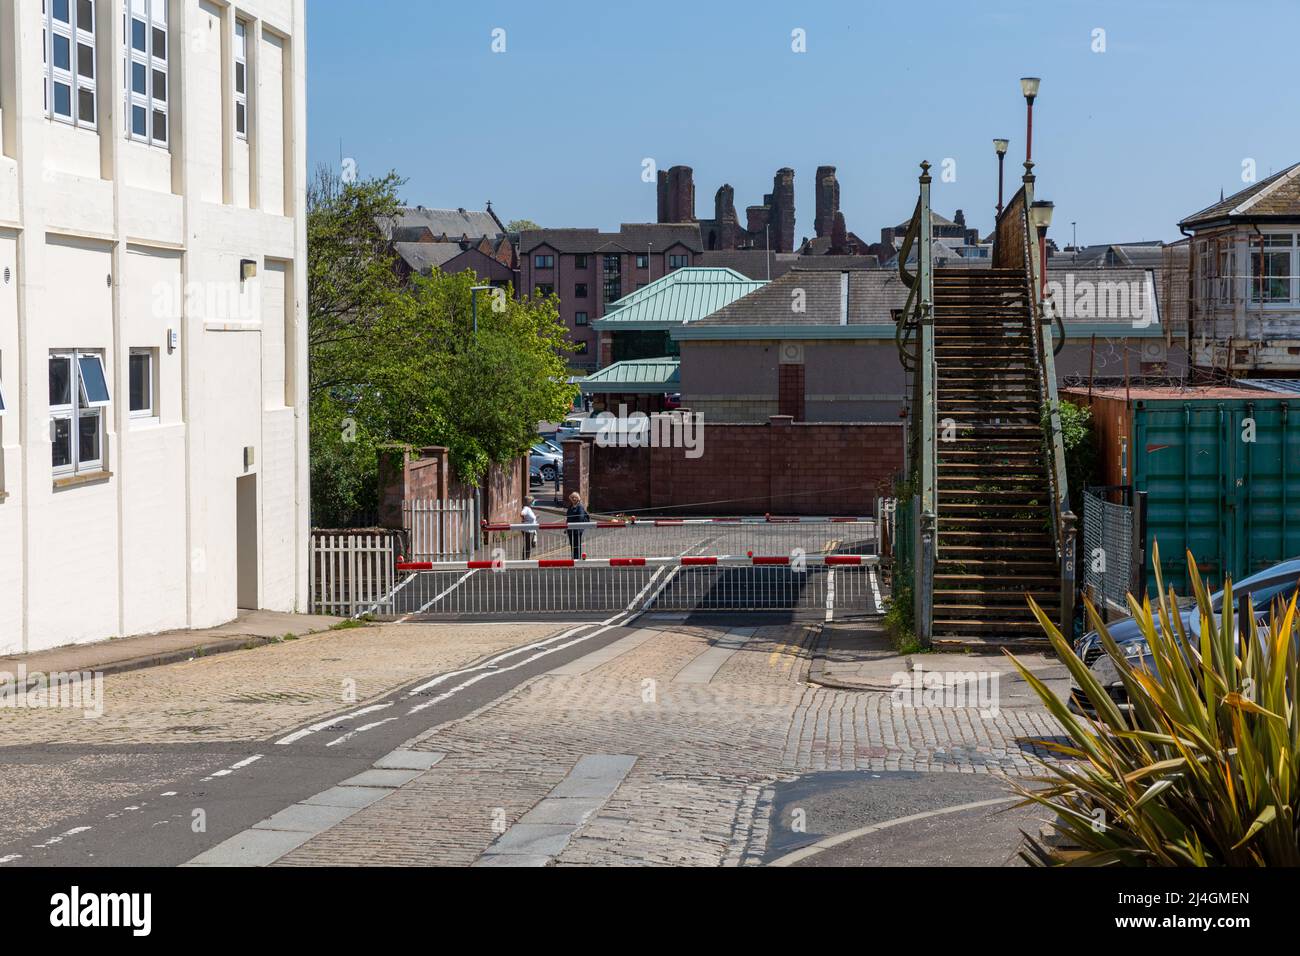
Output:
x=453 y=223
x=873 y=294
x=749 y=262
x=684 y=295
x=631 y=237
x=935 y=220
x=1144 y=255
x=423 y=256
x=636 y=375
x=1277 y=197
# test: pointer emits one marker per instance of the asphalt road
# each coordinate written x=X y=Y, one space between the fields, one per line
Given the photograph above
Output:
x=239 y=784
x=912 y=812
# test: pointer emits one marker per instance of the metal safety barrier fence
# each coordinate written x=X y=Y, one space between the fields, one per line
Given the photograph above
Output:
x=826 y=585
x=674 y=536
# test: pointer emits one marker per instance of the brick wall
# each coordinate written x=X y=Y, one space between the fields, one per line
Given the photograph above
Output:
x=790 y=391
x=426 y=474
x=780 y=467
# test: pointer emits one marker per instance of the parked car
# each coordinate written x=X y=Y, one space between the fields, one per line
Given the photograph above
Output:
x=569 y=429
x=1272 y=584
x=544 y=464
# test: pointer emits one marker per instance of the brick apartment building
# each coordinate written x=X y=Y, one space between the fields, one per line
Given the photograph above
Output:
x=590 y=270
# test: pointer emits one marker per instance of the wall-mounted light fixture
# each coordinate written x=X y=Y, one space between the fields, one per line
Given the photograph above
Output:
x=247 y=269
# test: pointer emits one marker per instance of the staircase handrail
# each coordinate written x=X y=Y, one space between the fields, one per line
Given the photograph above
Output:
x=1010 y=254
x=925 y=415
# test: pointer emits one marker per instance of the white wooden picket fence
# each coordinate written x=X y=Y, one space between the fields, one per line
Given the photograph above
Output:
x=352 y=571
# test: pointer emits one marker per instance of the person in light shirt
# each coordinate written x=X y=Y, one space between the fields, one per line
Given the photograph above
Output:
x=529 y=516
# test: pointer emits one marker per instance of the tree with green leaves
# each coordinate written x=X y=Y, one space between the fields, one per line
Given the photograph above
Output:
x=399 y=362
x=519 y=225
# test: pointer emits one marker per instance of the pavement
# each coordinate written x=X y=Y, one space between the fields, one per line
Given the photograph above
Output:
x=249 y=629
x=858 y=655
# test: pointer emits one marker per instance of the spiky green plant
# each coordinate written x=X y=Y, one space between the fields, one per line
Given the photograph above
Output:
x=1203 y=770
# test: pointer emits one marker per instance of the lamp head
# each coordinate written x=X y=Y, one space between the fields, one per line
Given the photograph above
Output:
x=1029 y=87
x=1040 y=214
x=1000 y=146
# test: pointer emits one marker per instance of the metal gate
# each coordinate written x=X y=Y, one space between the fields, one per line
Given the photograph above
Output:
x=1113 y=546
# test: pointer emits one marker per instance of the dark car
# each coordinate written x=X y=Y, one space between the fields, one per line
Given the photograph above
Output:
x=1272 y=584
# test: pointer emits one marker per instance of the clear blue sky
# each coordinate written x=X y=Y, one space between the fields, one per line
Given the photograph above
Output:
x=555 y=129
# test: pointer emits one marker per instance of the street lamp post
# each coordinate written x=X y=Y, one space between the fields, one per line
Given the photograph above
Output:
x=1040 y=215
x=473 y=308
x=1000 y=145
x=473 y=302
x=1029 y=87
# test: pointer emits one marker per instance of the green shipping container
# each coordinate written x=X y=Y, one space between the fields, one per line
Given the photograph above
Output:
x=1221 y=469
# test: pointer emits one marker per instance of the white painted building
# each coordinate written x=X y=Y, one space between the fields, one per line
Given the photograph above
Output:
x=153 y=357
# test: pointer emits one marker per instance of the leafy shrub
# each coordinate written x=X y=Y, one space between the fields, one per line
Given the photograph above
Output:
x=1204 y=769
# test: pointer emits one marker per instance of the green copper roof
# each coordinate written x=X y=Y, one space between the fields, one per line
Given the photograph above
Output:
x=637 y=375
x=682 y=296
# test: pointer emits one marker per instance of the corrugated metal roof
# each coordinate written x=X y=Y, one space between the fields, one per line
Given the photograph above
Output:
x=682 y=296
x=1285 y=386
x=636 y=375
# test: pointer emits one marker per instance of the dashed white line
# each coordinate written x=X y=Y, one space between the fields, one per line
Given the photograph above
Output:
x=352 y=733
x=227 y=771
x=316 y=728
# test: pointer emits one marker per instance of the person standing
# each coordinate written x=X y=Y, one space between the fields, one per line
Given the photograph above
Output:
x=576 y=514
x=528 y=516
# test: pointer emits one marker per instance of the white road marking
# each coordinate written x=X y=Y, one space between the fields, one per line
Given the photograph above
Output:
x=875 y=589
x=315 y=728
x=362 y=729
x=169 y=793
x=10 y=858
x=822 y=845
x=465 y=577
x=228 y=771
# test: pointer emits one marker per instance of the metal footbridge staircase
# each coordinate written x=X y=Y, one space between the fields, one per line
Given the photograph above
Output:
x=984 y=502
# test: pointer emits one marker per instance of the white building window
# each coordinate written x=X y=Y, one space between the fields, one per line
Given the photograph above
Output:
x=143 y=384
x=70 y=61
x=78 y=397
x=1275 y=269
x=241 y=79
x=145 y=57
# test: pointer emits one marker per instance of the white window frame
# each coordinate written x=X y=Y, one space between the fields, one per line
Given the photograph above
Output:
x=77 y=408
x=149 y=414
x=153 y=14
x=242 y=59
x=77 y=35
x=1252 y=270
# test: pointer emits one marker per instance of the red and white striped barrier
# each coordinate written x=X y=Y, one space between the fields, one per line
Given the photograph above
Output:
x=692 y=561
x=669 y=523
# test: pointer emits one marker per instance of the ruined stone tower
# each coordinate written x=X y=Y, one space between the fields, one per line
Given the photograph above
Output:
x=828 y=200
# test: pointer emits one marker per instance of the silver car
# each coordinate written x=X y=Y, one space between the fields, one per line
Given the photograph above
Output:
x=1272 y=584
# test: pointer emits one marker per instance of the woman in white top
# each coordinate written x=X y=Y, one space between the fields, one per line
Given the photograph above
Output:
x=528 y=516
